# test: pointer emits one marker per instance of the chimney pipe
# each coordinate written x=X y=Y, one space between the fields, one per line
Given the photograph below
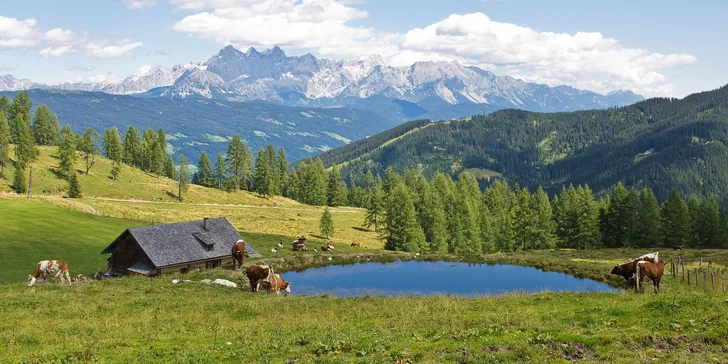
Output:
x=205 y=223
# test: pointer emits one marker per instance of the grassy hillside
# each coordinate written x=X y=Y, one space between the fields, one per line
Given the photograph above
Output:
x=154 y=321
x=31 y=231
x=133 y=184
x=658 y=143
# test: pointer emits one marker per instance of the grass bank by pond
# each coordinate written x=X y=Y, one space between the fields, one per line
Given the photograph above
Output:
x=152 y=320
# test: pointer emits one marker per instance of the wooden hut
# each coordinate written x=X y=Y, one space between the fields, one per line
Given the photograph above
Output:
x=169 y=248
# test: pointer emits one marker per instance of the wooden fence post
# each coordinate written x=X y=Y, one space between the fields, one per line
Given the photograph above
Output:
x=705 y=280
x=30 y=183
x=672 y=268
x=723 y=276
x=701 y=262
x=712 y=279
x=696 y=277
x=688 y=275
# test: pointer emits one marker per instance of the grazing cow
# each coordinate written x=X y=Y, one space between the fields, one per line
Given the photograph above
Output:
x=651 y=257
x=678 y=247
x=274 y=250
x=47 y=268
x=258 y=274
x=276 y=285
x=280 y=245
x=325 y=249
x=356 y=244
x=331 y=247
x=652 y=271
x=239 y=253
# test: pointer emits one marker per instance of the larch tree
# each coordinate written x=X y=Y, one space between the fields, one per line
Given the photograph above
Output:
x=220 y=173
x=88 y=148
x=169 y=170
x=45 y=126
x=204 y=171
x=326 y=224
x=403 y=232
x=25 y=150
x=19 y=110
x=274 y=187
x=675 y=221
x=4 y=141
x=132 y=148
x=184 y=176
x=74 y=185
x=67 y=152
x=5 y=106
x=238 y=161
x=283 y=170
x=113 y=150
x=375 y=208
x=263 y=178
x=336 y=189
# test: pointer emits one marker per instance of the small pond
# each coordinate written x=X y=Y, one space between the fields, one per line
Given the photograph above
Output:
x=418 y=278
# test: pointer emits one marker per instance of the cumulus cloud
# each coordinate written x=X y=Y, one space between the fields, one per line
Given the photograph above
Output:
x=122 y=48
x=15 y=33
x=59 y=35
x=139 y=4
x=144 y=69
x=585 y=60
x=56 y=51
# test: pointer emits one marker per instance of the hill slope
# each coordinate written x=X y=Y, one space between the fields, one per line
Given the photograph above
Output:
x=659 y=143
x=193 y=125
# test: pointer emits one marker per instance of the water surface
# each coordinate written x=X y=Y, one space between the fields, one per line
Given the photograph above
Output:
x=418 y=278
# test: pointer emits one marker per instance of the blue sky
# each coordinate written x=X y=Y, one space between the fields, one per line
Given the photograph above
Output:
x=670 y=48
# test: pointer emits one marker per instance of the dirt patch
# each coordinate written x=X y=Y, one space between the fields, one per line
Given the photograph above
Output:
x=496 y=349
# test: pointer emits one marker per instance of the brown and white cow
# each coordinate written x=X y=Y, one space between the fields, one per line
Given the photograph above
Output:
x=357 y=244
x=276 y=285
x=258 y=274
x=628 y=270
x=47 y=268
x=653 y=271
x=239 y=253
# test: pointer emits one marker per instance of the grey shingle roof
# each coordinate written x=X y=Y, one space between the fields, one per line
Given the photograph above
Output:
x=184 y=242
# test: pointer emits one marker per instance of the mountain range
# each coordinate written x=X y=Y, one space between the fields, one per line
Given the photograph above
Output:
x=434 y=90
x=661 y=143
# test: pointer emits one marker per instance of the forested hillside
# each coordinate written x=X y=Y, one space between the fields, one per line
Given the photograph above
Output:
x=659 y=143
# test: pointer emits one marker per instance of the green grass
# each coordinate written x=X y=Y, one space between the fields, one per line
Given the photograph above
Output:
x=481 y=173
x=151 y=320
x=31 y=231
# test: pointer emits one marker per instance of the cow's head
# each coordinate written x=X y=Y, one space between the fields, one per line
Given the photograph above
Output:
x=618 y=269
x=286 y=286
x=31 y=280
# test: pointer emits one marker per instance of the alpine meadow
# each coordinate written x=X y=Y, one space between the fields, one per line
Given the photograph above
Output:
x=332 y=181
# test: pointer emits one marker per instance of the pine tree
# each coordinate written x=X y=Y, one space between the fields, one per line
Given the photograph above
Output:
x=403 y=233
x=18 y=111
x=169 y=170
x=113 y=151
x=282 y=170
x=647 y=226
x=312 y=176
x=67 y=152
x=220 y=174
x=5 y=107
x=431 y=217
x=453 y=209
x=74 y=186
x=263 y=178
x=587 y=220
x=274 y=179
x=238 y=162
x=4 y=141
x=184 y=177
x=544 y=229
x=327 y=224
x=618 y=219
x=522 y=219
x=45 y=126
x=25 y=150
x=694 y=211
x=336 y=189
x=204 y=171
x=375 y=208
x=20 y=185
x=675 y=221
x=391 y=179
x=132 y=148
x=88 y=148
x=468 y=198
x=160 y=153
x=293 y=187
x=709 y=225
x=498 y=201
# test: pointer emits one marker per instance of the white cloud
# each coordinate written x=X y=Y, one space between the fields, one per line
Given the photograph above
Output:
x=59 y=35
x=16 y=33
x=139 y=4
x=56 y=51
x=585 y=60
x=143 y=70
x=121 y=48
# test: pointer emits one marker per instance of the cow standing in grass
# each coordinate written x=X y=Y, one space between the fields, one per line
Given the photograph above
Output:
x=47 y=268
x=628 y=270
x=239 y=253
x=259 y=274
x=653 y=271
x=276 y=285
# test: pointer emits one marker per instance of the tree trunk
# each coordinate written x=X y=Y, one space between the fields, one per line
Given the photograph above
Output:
x=30 y=183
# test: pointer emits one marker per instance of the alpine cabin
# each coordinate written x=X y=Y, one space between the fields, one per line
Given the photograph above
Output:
x=170 y=248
